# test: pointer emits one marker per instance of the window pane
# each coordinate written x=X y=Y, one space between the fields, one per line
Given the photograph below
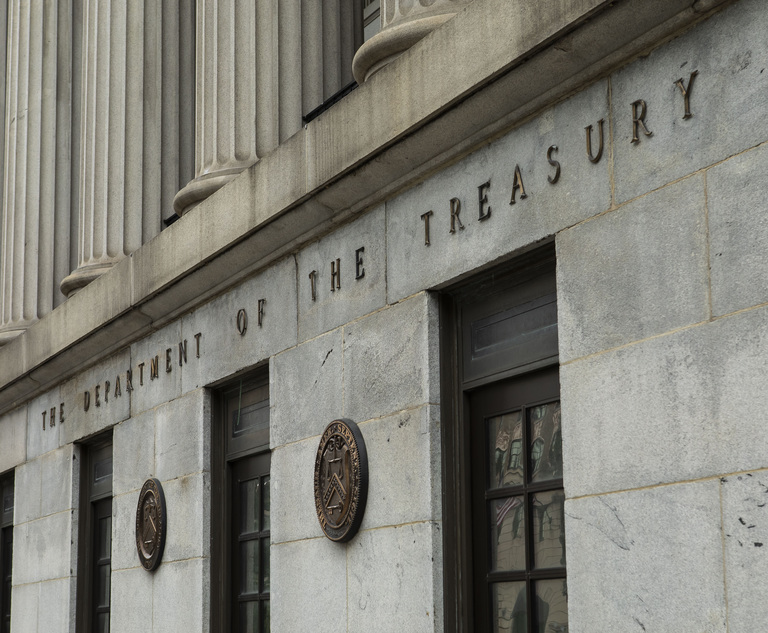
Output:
x=546 y=442
x=250 y=418
x=508 y=608
x=505 y=435
x=265 y=616
x=548 y=529
x=265 y=565
x=507 y=536
x=102 y=469
x=249 y=617
x=265 y=506
x=551 y=606
x=104 y=538
x=250 y=508
x=103 y=572
x=102 y=623
x=249 y=565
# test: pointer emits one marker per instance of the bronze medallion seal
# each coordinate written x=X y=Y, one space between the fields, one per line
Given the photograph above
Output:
x=341 y=480
x=151 y=523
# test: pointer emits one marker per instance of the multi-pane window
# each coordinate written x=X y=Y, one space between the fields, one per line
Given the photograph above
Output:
x=94 y=586
x=371 y=18
x=242 y=509
x=6 y=551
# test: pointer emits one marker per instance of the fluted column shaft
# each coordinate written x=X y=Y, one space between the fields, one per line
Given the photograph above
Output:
x=35 y=202
x=261 y=66
x=404 y=22
x=130 y=158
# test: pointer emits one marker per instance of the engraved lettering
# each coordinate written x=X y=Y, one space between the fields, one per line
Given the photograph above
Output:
x=686 y=90
x=484 y=210
x=118 y=390
x=312 y=278
x=260 y=313
x=106 y=391
x=86 y=400
x=96 y=396
x=141 y=373
x=336 y=275
x=639 y=111
x=425 y=217
x=595 y=158
x=197 y=344
x=44 y=414
x=455 y=211
x=168 y=361
x=556 y=176
x=182 y=352
x=52 y=417
x=154 y=367
x=518 y=185
x=359 y=270
x=242 y=321
x=129 y=380
x=61 y=413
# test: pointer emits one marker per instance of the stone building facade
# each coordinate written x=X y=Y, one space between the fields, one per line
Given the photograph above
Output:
x=524 y=257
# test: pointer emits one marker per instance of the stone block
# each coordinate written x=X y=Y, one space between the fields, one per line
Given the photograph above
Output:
x=133 y=451
x=674 y=402
x=41 y=549
x=124 y=554
x=41 y=440
x=182 y=610
x=28 y=492
x=312 y=574
x=405 y=593
x=621 y=548
x=583 y=189
x=391 y=359
x=132 y=608
x=404 y=468
x=182 y=436
x=646 y=271
x=360 y=285
x=738 y=230
x=189 y=517
x=105 y=410
x=13 y=439
x=59 y=475
x=160 y=349
x=223 y=350
x=313 y=370
x=730 y=54
x=292 y=495
x=58 y=614
x=25 y=605
x=745 y=526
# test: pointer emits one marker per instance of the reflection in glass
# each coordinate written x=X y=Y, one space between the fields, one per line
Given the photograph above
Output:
x=105 y=537
x=102 y=622
x=265 y=492
x=546 y=457
x=249 y=617
x=507 y=527
x=102 y=469
x=505 y=435
x=103 y=587
x=249 y=557
x=551 y=606
x=265 y=617
x=548 y=529
x=265 y=564
x=250 y=506
x=508 y=607
x=250 y=418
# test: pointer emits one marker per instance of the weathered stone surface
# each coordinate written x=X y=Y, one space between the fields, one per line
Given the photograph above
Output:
x=312 y=371
x=57 y=596
x=149 y=392
x=582 y=191
x=25 y=602
x=13 y=438
x=80 y=424
x=124 y=554
x=730 y=54
x=674 y=402
x=292 y=471
x=182 y=436
x=745 y=526
x=391 y=359
x=738 y=229
x=41 y=548
x=188 y=501
x=404 y=468
x=131 y=587
x=622 y=548
x=312 y=573
x=645 y=272
x=405 y=593
x=353 y=297
x=59 y=471
x=133 y=452
x=223 y=350
x=189 y=610
x=27 y=503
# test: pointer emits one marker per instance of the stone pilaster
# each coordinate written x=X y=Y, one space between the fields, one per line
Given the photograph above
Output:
x=404 y=22
x=131 y=132
x=35 y=202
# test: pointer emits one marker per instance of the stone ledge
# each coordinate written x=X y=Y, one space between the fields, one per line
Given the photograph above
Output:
x=444 y=97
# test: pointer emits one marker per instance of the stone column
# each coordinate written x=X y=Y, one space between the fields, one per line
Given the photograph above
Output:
x=131 y=115
x=36 y=189
x=404 y=22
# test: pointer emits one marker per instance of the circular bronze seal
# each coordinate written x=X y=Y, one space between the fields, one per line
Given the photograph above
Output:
x=151 y=523
x=341 y=480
